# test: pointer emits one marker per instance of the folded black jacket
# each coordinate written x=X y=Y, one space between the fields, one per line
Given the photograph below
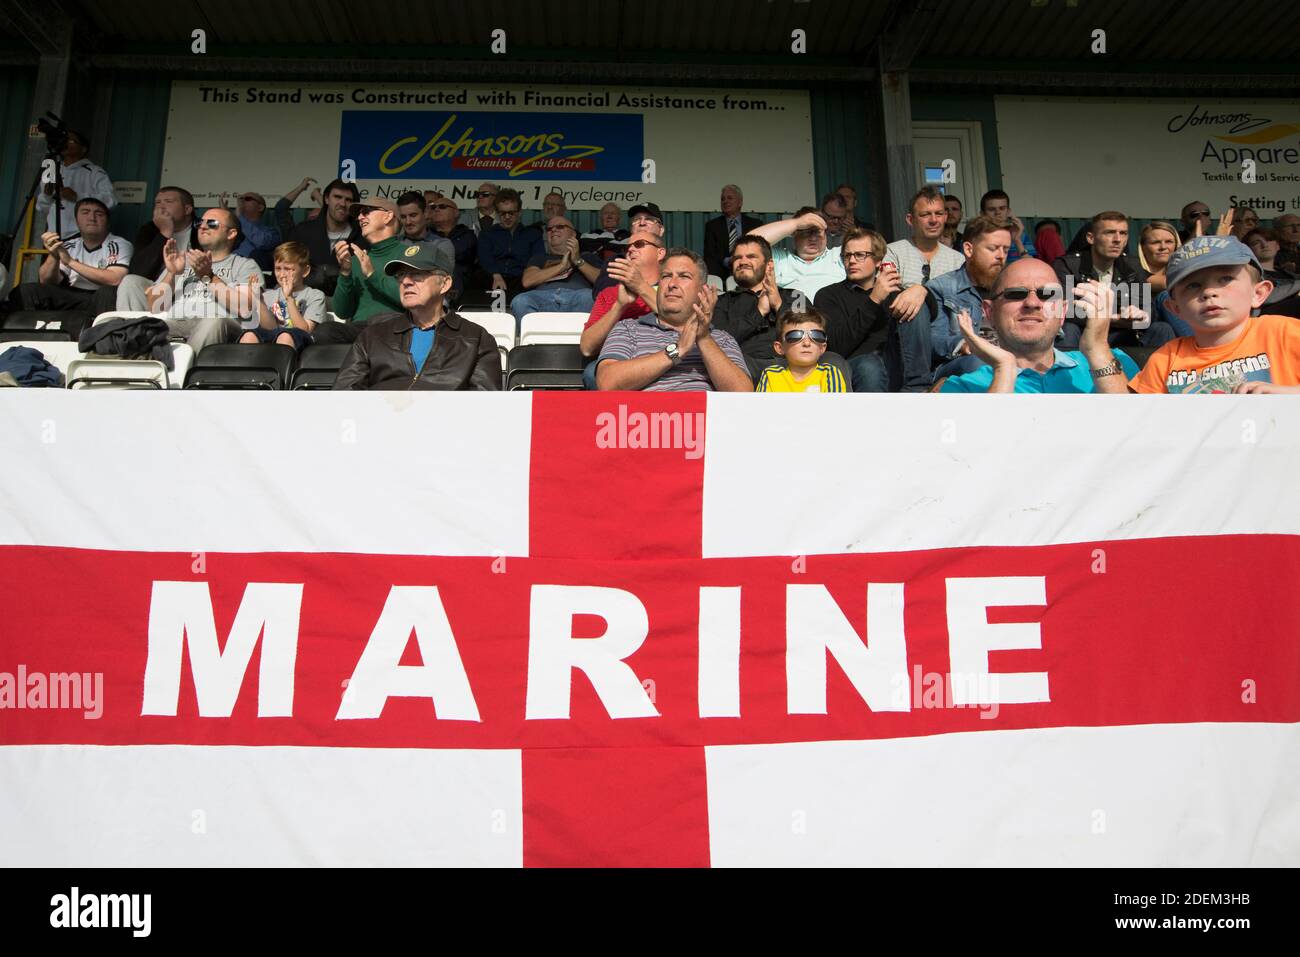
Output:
x=145 y=337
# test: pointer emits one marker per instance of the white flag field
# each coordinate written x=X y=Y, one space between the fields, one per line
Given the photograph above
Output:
x=627 y=629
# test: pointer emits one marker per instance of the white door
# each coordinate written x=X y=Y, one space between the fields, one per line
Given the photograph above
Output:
x=950 y=155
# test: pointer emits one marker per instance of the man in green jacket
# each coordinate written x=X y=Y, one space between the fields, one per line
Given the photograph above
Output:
x=364 y=288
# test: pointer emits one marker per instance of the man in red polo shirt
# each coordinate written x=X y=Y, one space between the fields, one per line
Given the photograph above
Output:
x=632 y=296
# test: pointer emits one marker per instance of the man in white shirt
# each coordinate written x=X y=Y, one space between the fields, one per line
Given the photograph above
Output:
x=923 y=257
x=811 y=264
x=81 y=272
x=82 y=179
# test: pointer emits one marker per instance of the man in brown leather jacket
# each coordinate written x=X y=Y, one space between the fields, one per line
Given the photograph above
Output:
x=427 y=346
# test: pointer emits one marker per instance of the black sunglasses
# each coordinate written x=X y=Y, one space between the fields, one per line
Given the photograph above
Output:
x=641 y=243
x=1021 y=293
x=795 y=335
x=481 y=193
x=213 y=224
x=442 y=206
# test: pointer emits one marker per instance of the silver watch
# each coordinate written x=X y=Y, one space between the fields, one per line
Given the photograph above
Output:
x=671 y=350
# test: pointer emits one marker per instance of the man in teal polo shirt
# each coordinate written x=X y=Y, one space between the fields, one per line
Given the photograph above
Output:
x=1025 y=310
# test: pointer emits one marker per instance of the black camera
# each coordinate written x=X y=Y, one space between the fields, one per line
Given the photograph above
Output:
x=56 y=133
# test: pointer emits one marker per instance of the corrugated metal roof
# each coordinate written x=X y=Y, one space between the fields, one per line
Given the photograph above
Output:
x=1188 y=32
x=834 y=27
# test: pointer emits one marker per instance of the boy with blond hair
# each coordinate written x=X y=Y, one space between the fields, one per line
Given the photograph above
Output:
x=288 y=314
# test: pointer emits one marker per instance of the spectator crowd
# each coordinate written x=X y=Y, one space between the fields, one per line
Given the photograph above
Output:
x=819 y=301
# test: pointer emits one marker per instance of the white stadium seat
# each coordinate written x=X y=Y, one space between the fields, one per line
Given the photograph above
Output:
x=501 y=325
x=552 y=328
x=91 y=371
x=715 y=282
x=60 y=354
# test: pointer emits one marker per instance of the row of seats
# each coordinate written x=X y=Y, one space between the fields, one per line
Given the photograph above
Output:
x=550 y=366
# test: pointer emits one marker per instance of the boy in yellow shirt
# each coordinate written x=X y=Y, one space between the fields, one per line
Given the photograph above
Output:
x=801 y=340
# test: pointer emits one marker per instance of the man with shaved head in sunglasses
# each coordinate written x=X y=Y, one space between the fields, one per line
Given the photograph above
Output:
x=1025 y=310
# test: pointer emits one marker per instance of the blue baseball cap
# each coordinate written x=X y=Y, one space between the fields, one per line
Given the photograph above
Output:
x=1206 y=251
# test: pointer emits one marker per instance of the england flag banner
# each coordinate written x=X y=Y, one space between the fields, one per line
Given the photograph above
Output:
x=559 y=629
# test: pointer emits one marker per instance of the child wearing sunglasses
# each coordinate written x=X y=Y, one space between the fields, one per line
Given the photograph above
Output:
x=801 y=340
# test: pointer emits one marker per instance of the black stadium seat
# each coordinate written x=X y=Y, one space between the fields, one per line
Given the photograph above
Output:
x=318 y=366
x=42 y=318
x=236 y=366
x=544 y=367
x=28 y=335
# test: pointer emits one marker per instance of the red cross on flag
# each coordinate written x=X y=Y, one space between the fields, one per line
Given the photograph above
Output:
x=627 y=629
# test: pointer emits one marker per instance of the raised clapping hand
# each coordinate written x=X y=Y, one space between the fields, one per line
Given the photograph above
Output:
x=702 y=310
x=980 y=347
x=200 y=260
x=173 y=258
x=363 y=259
x=343 y=253
x=1097 y=303
x=769 y=296
x=54 y=244
x=1225 y=223
x=629 y=281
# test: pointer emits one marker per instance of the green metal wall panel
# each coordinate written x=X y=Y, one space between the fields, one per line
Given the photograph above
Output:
x=839 y=132
x=137 y=135
x=17 y=84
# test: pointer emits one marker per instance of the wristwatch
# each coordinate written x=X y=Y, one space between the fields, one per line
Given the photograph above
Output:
x=1112 y=369
x=671 y=350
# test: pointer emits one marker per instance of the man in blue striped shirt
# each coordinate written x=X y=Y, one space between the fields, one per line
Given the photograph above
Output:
x=675 y=348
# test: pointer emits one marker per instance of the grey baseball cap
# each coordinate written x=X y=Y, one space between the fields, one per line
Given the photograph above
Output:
x=1205 y=251
x=437 y=254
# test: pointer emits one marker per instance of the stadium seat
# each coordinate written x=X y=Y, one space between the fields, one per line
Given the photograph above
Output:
x=716 y=282
x=500 y=324
x=236 y=366
x=60 y=353
x=545 y=367
x=730 y=284
x=552 y=328
x=475 y=299
x=46 y=318
x=35 y=335
x=108 y=372
x=318 y=367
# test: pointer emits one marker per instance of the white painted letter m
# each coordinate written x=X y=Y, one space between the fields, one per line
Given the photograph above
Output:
x=182 y=611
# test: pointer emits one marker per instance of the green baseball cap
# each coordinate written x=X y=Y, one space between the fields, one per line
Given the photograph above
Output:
x=428 y=254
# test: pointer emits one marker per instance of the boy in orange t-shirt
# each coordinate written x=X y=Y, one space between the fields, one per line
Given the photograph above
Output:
x=1214 y=282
